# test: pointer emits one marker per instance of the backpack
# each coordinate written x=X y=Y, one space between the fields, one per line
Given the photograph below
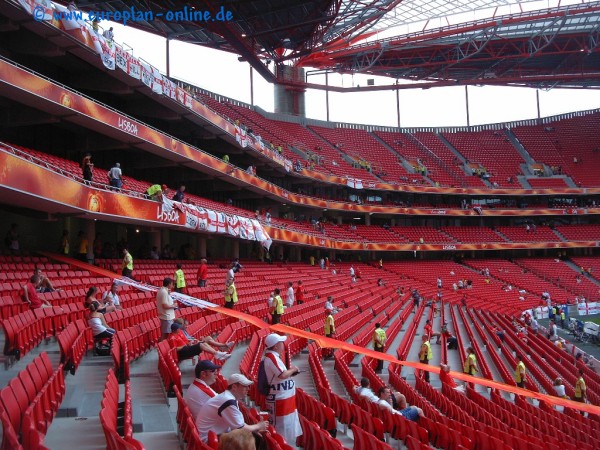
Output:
x=102 y=347
x=263 y=385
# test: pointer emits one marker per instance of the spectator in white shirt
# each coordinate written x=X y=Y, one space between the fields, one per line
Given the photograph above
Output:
x=289 y=299
x=115 y=177
x=559 y=388
x=329 y=306
x=221 y=413
x=112 y=297
x=364 y=390
x=200 y=391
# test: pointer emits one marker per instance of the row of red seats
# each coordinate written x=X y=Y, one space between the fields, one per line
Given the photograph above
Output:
x=30 y=402
x=534 y=417
x=111 y=414
x=560 y=356
x=132 y=343
x=409 y=334
x=168 y=362
x=396 y=425
x=476 y=419
x=483 y=365
x=188 y=432
x=503 y=370
x=433 y=428
x=315 y=411
x=168 y=368
x=74 y=341
x=26 y=330
x=364 y=337
x=315 y=438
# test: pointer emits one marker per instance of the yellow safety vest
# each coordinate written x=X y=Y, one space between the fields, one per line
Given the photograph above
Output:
x=128 y=261
x=154 y=189
x=83 y=246
x=329 y=324
x=428 y=353
x=470 y=363
x=379 y=335
x=278 y=305
x=520 y=368
x=231 y=294
x=65 y=245
x=580 y=388
x=179 y=278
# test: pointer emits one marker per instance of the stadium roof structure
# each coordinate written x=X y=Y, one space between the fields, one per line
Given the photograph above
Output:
x=415 y=43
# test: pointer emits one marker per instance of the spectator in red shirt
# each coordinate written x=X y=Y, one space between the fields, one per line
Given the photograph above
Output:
x=299 y=294
x=429 y=331
x=445 y=378
x=202 y=273
x=30 y=295
x=188 y=349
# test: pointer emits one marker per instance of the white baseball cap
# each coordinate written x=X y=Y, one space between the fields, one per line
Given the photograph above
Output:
x=272 y=339
x=235 y=378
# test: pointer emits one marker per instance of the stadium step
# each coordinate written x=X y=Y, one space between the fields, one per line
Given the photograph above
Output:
x=304 y=379
x=77 y=420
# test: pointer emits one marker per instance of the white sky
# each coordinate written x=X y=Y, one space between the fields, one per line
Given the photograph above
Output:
x=223 y=74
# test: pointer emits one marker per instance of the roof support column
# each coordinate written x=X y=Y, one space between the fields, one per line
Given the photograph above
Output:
x=251 y=85
x=327 y=94
x=467 y=105
x=398 y=104
x=168 y=56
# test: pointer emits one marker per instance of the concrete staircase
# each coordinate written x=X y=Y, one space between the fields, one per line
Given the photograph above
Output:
x=518 y=146
x=460 y=157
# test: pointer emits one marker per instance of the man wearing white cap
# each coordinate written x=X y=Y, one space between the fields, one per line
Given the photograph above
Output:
x=281 y=401
x=222 y=413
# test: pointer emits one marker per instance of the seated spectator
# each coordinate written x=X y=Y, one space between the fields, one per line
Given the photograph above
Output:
x=90 y=297
x=429 y=331
x=409 y=412
x=329 y=306
x=451 y=342
x=45 y=284
x=199 y=392
x=221 y=413
x=582 y=360
x=97 y=323
x=445 y=378
x=559 y=388
x=380 y=282
x=187 y=348
x=498 y=332
x=29 y=294
x=386 y=399
x=444 y=330
x=111 y=298
x=364 y=390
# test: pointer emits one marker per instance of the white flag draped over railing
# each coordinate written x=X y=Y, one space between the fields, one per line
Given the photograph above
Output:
x=355 y=183
x=203 y=219
x=241 y=136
